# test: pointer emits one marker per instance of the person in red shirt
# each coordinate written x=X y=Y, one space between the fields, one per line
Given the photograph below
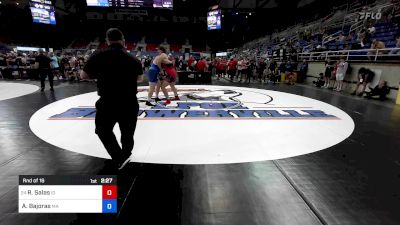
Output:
x=201 y=65
x=190 y=62
x=232 y=68
x=221 y=67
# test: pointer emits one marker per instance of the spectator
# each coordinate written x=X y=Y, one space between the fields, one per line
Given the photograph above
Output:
x=3 y=65
x=239 y=69
x=364 y=37
x=303 y=71
x=341 y=39
x=289 y=72
x=191 y=63
x=245 y=68
x=340 y=73
x=320 y=81
x=232 y=64
x=396 y=51
x=221 y=67
x=251 y=70
x=272 y=69
x=379 y=92
x=55 y=67
x=376 y=45
x=202 y=65
x=365 y=76
x=260 y=68
x=371 y=29
x=351 y=37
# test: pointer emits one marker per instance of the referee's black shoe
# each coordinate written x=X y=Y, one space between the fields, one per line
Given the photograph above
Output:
x=125 y=159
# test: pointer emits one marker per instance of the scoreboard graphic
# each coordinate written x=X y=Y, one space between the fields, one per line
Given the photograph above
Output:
x=67 y=194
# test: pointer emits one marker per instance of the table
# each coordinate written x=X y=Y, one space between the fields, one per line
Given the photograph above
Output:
x=185 y=77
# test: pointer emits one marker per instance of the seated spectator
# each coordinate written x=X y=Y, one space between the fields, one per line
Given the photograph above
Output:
x=376 y=45
x=364 y=37
x=351 y=37
x=341 y=39
x=365 y=76
x=371 y=29
x=379 y=92
x=396 y=51
x=320 y=81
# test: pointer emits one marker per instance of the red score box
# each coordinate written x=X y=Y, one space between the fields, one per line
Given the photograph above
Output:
x=109 y=191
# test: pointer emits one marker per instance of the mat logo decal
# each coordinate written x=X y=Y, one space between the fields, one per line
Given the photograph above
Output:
x=210 y=105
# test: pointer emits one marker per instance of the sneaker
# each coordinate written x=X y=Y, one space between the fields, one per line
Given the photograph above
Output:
x=149 y=103
x=177 y=98
x=361 y=94
x=157 y=99
x=167 y=102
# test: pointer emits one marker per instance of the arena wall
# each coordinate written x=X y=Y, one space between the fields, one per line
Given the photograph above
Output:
x=386 y=71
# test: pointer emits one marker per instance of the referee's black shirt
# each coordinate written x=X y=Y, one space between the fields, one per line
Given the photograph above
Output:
x=116 y=72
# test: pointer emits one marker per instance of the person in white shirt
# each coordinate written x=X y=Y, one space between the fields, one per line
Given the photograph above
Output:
x=239 y=69
x=340 y=73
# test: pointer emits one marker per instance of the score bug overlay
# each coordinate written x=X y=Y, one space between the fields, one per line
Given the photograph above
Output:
x=67 y=194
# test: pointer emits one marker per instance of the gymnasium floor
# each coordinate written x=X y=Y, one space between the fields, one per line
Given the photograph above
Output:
x=354 y=182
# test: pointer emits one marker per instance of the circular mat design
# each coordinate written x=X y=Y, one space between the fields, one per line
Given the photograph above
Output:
x=208 y=125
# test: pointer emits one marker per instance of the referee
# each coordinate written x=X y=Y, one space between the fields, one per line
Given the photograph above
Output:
x=117 y=74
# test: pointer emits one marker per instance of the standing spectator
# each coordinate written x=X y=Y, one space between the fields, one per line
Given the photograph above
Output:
x=251 y=70
x=303 y=71
x=54 y=65
x=220 y=68
x=340 y=73
x=201 y=65
x=232 y=68
x=3 y=65
x=191 y=62
x=262 y=65
x=43 y=66
x=329 y=67
x=239 y=69
x=272 y=69
x=245 y=68
x=289 y=72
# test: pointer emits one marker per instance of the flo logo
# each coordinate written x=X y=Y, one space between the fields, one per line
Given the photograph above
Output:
x=220 y=104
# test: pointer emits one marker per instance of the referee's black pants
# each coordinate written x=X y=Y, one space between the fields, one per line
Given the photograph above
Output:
x=108 y=113
x=43 y=74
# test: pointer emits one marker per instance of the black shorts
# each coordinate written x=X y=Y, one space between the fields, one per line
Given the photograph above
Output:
x=232 y=72
x=220 y=71
x=328 y=74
